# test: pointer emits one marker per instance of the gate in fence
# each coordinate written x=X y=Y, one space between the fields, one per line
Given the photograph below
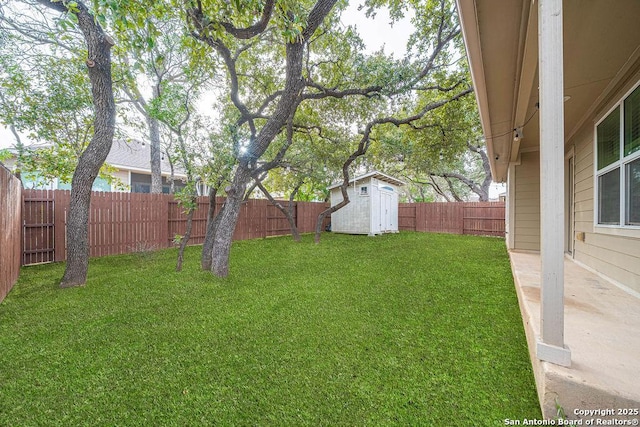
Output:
x=38 y=227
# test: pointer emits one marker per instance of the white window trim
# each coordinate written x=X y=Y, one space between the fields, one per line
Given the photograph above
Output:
x=620 y=229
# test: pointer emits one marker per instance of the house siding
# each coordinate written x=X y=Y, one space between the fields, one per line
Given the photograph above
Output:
x=615 y=256
x=123 y=176
x=583 y=205
x=527 y=203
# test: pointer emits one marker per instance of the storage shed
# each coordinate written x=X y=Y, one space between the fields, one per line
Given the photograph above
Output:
x=373 y=206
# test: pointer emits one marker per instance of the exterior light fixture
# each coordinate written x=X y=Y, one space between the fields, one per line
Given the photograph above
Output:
x=517 y=136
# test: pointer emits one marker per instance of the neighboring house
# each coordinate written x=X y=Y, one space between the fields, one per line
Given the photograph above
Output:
x=132 y=161
x=372 y=207
x=558 y=88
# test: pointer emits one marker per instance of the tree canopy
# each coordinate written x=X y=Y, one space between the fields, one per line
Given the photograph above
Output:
x=273 y=92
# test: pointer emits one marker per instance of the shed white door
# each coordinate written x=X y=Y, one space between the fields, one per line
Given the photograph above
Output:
x=385 y=211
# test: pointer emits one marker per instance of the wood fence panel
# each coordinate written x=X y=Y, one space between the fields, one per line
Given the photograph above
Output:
x=407 y=217
x=177 y=221
x=38 y=216
x=149 y=222
x=62 y=199
x=242 y=225
x=123 y=231
x=257 y=215
x=251 y=220
x=451 y=215
x=307 y=216
x=439 y=217
x=199 y=223
x=484 y=218
x=127 y=222
x=98 y=223
x=277 y=223
x=479 y=218
x=11 y=226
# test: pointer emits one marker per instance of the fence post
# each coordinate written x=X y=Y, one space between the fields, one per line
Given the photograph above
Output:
x=163 y=201
x=61 y=201
x=421 y=217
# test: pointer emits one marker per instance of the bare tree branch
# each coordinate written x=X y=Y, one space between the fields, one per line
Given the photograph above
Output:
x=255 y=29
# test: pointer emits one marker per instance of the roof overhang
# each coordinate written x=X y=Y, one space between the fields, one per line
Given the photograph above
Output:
x=375 y=174
x=125 y=168
x=601 y=46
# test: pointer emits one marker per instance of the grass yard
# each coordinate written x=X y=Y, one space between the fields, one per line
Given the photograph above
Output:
x=406 y=329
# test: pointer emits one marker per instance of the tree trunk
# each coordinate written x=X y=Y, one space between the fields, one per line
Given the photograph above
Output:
x=172 y=176
x=288 y=213
x=360 y=151
x=154 y=143
x=227 y=222
x=283 y=112
x=89 y=163
x=185 y=238
x=320 y=222
x=294 y=226
x=212 y=223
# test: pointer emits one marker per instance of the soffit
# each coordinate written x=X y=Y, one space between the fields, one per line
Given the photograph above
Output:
x=375 y=174
x=600 y=37
x=492 y=37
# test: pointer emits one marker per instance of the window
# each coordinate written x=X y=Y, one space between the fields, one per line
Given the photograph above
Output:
x=364 y=191
x=618 y=164
x=633 y=193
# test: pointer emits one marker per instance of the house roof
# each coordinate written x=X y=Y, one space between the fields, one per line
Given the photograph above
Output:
x=601 y=48
x=375 y=174
x=135 y=156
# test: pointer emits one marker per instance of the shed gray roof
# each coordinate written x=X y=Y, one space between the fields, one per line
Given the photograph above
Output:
x=374 y=174
x=136 y=156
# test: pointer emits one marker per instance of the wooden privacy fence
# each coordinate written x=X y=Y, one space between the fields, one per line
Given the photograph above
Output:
x=10 y=228
x=129 y=222
x=479 y=218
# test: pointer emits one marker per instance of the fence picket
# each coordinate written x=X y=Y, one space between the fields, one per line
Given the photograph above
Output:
x=479 y=218
x=11 y=226
x=125 y=222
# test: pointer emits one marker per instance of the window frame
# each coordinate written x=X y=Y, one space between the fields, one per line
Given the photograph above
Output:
x=621 y=164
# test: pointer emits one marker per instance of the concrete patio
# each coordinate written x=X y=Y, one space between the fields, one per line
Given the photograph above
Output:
x=602 y=330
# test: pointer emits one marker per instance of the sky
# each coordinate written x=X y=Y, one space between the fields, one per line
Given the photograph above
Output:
x=378 y=32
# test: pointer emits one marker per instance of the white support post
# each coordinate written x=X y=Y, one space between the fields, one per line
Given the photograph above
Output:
x=551 y=345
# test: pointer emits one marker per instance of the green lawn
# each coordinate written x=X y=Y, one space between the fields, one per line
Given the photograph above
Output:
x=406 y=329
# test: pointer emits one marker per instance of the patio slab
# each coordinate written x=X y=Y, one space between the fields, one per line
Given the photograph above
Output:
x=602 y=330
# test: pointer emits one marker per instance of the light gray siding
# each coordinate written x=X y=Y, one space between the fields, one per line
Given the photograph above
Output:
x=527 y=203
x=614 y=252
